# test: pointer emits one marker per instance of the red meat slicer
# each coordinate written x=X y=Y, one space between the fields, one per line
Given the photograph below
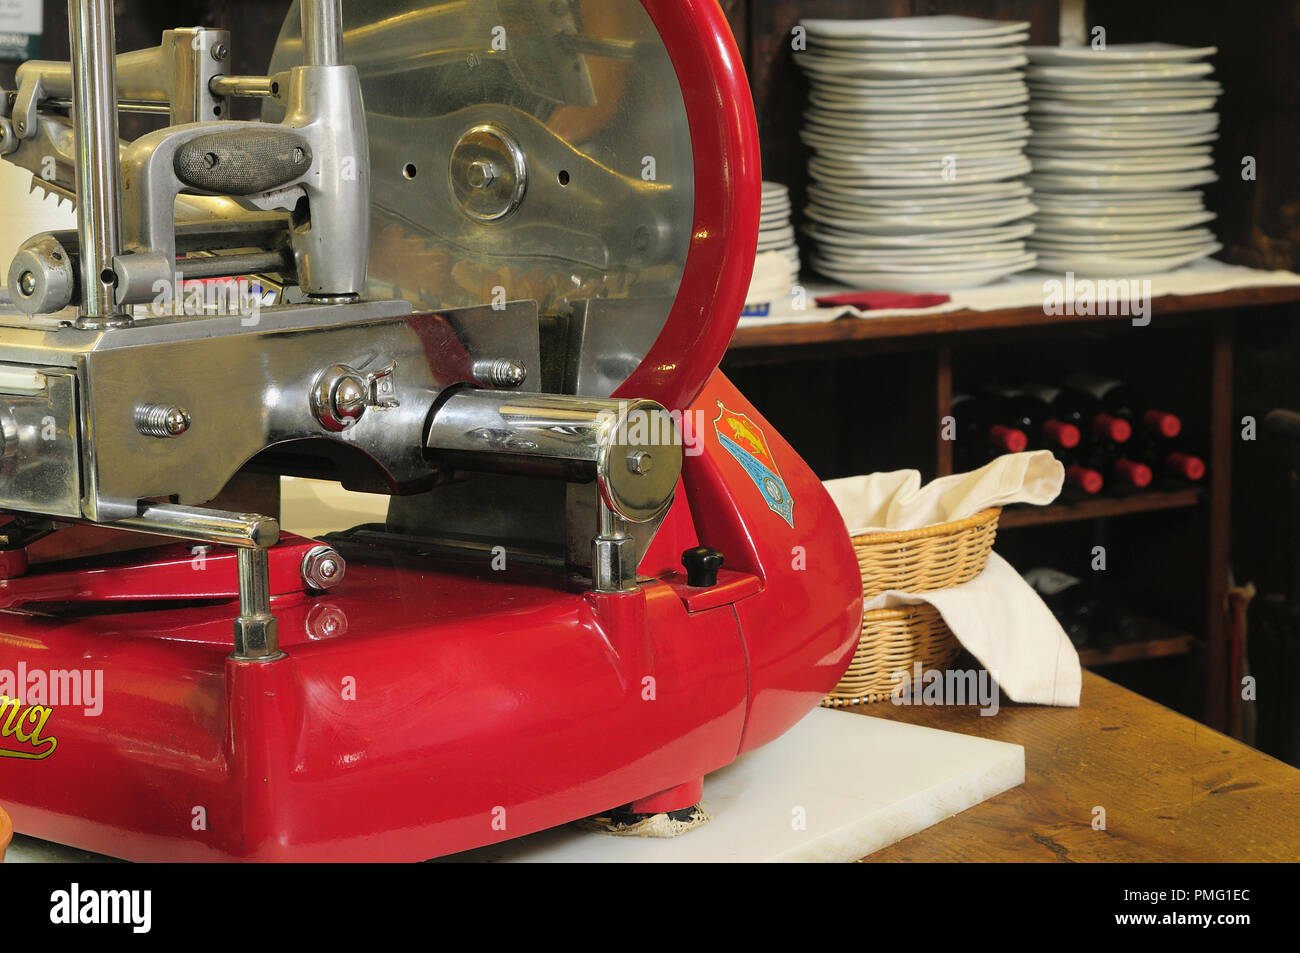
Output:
x=483 y=258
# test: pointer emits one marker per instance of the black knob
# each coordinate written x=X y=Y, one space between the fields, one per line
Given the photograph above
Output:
x=702 y=565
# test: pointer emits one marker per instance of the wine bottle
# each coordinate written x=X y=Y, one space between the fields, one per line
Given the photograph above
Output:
x=1028 y=412
x=1168 y=458
x=1115 y=462
x=1081 y=473
x=1117 y=400
x=981 y=436
x=1080 y=409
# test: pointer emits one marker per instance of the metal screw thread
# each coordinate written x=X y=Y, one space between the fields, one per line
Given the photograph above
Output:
x=160 y=420
x=499 y=372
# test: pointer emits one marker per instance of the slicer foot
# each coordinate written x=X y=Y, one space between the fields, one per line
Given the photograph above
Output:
x=623 y=822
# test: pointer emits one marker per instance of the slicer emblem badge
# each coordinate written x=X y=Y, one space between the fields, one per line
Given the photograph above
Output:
x=744 y=440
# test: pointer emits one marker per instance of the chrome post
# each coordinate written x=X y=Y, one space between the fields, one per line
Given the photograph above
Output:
x=94 y=102
x=256 y=638
x=322 y=32
x=613 y=554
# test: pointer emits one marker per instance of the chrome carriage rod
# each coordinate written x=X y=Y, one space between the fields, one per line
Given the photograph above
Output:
x=94 y=110
x=322 y=32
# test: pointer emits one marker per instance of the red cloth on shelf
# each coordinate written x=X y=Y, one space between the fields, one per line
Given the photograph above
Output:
x=881 y=300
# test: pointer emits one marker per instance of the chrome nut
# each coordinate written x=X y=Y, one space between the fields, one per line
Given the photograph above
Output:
x=323 y=568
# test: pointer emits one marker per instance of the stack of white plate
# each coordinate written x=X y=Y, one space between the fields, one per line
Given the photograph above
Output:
x=918 y=130
x=1121 y=143
x=776 y=270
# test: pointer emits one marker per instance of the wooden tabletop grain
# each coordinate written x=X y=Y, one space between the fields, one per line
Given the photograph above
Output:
x=1171 y=788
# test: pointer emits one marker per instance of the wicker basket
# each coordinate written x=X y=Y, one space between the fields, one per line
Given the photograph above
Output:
x=918 y=560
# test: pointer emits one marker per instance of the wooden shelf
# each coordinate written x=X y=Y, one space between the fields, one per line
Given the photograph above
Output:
x=1136 y=651
x=1100 y=508
x=956 y=322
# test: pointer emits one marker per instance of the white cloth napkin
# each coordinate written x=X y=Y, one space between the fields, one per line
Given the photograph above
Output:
x=883 y=502
x=774 y=273
x=1004 y=624
x=997 y=616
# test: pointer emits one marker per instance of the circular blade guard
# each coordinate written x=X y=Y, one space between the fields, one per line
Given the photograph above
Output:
x=532 y=149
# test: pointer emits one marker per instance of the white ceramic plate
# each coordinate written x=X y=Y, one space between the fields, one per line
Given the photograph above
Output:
x=983 y=191
x=1120 y=249
x=976 y=239
x=934 y=84
x=1104 y=73
x=1132 y=166
x=955 y=85
x=958 y=95
x=1112 y=107
x=944 y=27
x=1090 y=142
x=1137 y=89
x=1052 y=235
x=927 y=222
x=912 y=56
x=1176 y=203
x=922 y=282
x=865 y=45
x=1063 y=182
x=902 y=259
x=1119 y=266
x=913 y=199
x=934 y=125
x=892 y=135
x=911 y=263
x=850 y=159
x=1038 y=148
x=1141 y=125
x=915 y=69
x=965 y=173
x=1126 y=53
x=1121 y=224
x=875 y=106
x=838 y=149
x=903 y=150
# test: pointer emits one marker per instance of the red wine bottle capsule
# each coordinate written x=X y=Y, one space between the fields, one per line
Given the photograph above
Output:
x=1132 y=473
x=1162 y=424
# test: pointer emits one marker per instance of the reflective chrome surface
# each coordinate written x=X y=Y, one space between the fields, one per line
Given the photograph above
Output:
x=94 y=101
x=585 y=89
x=579 y=440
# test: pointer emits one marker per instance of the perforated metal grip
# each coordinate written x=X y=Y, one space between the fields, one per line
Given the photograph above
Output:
x=244 y=162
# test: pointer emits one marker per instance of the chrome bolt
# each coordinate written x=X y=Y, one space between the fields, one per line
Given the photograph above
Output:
x=219 y=52
x=323 y=568
x=499 y=372
x=640 y=462
x=481 y=174
x=161 y=420
x=27 y=284
x=21 y=126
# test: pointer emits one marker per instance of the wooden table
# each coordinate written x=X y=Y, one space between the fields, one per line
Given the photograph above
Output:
x=1172 y=789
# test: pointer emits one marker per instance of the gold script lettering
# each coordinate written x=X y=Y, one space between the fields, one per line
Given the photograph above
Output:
x=26 y=726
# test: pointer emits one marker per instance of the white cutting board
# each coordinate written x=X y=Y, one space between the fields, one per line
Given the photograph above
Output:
x=857 y=784
x=836 y=787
